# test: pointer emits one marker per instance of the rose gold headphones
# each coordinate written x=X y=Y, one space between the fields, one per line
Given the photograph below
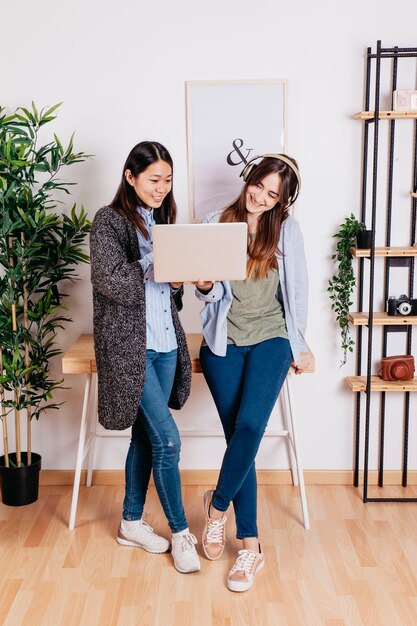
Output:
x=250 y=166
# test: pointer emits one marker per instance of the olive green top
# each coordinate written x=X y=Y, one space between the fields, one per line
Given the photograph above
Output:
x=255 y=313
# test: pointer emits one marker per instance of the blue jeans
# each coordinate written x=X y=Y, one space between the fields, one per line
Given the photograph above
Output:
x=245 y=385
x=155 y=445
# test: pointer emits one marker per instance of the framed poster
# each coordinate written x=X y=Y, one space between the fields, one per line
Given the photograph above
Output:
x=229 y=123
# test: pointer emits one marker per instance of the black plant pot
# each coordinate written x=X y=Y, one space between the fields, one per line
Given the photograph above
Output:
x=364 y=239
x=20 y=485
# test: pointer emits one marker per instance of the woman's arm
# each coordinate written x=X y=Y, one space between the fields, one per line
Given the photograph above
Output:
x=177 y=292
x=112 y=274
x=301 y=298
x=146 y=263
x=214 y=293
x=300 y=284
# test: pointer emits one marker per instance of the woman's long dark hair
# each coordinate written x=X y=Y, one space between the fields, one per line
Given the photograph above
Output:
x=262 y=250
x=126 y=201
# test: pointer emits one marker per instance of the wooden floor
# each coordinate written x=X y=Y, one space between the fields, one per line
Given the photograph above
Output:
x=357 y=565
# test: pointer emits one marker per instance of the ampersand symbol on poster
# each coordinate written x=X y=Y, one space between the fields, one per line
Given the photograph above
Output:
x=237 y=150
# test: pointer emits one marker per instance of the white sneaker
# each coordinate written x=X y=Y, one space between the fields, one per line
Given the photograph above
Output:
x=184 y=553
x=141 y=535
x=243 y=572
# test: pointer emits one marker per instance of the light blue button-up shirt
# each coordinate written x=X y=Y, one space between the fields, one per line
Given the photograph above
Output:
x=160 y=332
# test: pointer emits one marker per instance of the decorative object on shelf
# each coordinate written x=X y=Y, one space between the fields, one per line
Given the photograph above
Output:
x=402 y=305
x=364 y=239
x=404 y=100
x=39 y=250
x=399 y=367
x=341 y=284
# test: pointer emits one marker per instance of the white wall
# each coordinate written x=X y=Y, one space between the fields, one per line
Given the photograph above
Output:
x=120 y=69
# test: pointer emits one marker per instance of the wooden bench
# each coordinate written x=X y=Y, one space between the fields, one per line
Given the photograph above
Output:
x=80 y=359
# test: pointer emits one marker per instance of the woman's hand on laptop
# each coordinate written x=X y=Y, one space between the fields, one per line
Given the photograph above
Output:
x=204 y=285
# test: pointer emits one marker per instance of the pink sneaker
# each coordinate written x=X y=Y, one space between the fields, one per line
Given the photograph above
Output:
x=243 y=572
x=214 y=531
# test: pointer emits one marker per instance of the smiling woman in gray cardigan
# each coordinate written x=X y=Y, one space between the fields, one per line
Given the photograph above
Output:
x=143 y=364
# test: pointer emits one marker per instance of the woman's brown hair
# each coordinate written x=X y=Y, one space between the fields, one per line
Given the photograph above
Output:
x=126 y=201
x=262 y=250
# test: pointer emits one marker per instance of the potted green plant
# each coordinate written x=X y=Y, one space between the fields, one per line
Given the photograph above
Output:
x=363 y=237
x=39 y=250
x=341 y=284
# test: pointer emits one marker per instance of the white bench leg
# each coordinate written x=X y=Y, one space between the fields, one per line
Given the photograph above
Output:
x=288 y=431
x=292 y=436
x=93 y=423
x=80 y=453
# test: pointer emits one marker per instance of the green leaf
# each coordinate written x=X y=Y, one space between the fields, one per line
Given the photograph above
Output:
x=59 y=144
x=35 y=112
x=341 y=285
x=49 y=112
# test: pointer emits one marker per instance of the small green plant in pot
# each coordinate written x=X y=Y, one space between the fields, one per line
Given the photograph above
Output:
x=39 y=250
x=342 y=283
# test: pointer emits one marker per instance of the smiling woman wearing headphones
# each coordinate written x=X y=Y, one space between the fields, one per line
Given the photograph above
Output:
x=253 y=330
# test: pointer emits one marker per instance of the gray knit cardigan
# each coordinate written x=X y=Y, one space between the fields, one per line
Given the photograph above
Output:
x=120 y=323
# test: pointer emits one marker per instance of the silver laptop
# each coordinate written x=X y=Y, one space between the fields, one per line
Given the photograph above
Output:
x=191 y=252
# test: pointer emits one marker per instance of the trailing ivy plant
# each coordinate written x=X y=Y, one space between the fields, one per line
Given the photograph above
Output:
x=39 y=251
x=342 y=283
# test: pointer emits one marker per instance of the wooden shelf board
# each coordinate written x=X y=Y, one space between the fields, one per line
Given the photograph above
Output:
x=382 y=319
x=358 y=383
x=398 y=115
x=385 y=252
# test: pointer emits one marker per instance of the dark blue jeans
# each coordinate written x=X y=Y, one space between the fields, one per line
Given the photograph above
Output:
x=155 y=445
x=245 y=385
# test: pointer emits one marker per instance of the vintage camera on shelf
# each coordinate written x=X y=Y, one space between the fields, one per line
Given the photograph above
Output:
x=401 y=306
x=399 y=367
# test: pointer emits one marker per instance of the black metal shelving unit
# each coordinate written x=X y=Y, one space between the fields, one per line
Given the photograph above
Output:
x=378 y=62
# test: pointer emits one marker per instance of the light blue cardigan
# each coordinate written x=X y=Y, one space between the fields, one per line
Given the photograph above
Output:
x=294 y=286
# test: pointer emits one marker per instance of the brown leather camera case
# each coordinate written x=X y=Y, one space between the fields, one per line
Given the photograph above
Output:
x=397 y=367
